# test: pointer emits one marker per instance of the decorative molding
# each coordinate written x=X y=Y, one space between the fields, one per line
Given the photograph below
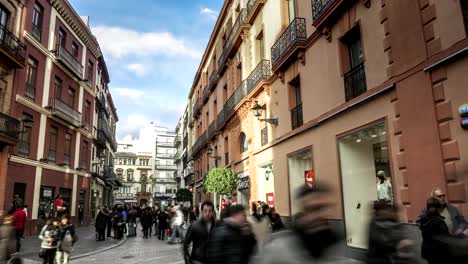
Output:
x=327 y=33
x=22 y=100
x=301 y=57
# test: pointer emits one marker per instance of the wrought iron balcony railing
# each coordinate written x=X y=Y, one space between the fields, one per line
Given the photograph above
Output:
x=65 y=112
x=196 y=107
x=9 y=126
x=319 y=7
x=199 y=144
x=260 y=73
x=220 y=120
x=165 y=167
x=213 y=80
x=232 y=39
x=212 y=130
x=12 y=47
x=253 y=8
x=69 y=61
x=206 y=93
x=296 y=117
x=295 y=34
x=355 y=82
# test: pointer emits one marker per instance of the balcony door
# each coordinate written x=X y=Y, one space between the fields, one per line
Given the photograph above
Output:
x=3 y=21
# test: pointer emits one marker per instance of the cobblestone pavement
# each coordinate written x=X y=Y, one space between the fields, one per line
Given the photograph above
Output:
x=137 y=250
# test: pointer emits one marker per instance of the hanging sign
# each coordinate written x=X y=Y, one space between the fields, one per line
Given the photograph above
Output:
x=309 y=177
x=270 y=199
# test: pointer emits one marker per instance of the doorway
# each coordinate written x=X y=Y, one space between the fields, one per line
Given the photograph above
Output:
x=19 y=193
x=366 y=177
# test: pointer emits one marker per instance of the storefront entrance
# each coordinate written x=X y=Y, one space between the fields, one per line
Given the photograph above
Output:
x=366 y=177
x=299 y=166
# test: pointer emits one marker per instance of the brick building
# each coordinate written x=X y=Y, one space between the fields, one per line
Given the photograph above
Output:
x=54 y=96
x=290 y=92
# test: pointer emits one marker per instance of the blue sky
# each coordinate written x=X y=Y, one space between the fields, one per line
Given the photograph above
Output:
x=152 y=50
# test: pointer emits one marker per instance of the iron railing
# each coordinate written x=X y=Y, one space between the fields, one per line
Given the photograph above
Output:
x=165 y=155
x=220 y=120
x=234 y=30
x=206 y=93
x=296 y=116
x=36 y=32
x=264 y=136
x=235 y=98
x=64 y=111
x=165 y=167
x=9 y=126
x=319 y=7
x=164 y=144
x=12 y=44
x=196 y=107
x=294 y=34
x=69 y=61
x=30 y=91
x=260 y=73
x=355 y=82
x=213 y=80
x=199 y=144
x=250 y=6
x=212 y=130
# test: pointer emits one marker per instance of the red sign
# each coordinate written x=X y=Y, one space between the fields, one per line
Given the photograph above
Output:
x=309 y=177
x=270 y=199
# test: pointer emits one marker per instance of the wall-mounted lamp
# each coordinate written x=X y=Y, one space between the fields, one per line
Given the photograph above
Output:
x=257 y=110
x=210 y=154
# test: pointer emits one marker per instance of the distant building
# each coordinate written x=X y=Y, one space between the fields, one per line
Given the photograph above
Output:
x=164 y=184
x=133 y=169
x=181 y=152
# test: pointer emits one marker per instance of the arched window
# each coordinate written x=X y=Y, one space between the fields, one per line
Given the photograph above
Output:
x=244 y=144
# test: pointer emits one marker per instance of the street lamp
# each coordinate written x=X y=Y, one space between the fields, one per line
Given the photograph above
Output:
x=257 y=110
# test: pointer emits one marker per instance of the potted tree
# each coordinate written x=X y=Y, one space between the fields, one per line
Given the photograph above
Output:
x=220 y=180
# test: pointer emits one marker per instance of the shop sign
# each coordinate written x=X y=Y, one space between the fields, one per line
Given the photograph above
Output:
x=270 y=199
x=47 y=193
x=309 y=177
x=244 y=183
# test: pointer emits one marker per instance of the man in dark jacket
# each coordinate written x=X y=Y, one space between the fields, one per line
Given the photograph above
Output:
x=199 y=234
x=101 y=221
x=232 y=241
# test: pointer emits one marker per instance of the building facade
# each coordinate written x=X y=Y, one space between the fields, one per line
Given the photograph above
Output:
x=180 y=157
x=53 y=96
x=133 y=169
x=292 y=92
x=163 y=181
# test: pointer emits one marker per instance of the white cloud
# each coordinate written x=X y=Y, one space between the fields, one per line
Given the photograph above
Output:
x=209 y=12
x=118 y=42
x=138 y=68
x=130 y=93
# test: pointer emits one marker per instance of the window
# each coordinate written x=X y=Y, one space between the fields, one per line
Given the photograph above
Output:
x=3 y=21
x=84 y=155
x=353 y=63
x=58 y=87
x=291 y=11
x=25 y=137
x=71 y=97
x=296 y=103
x=75 y=50
x=52 y=144
x=244 y=143
x=90 y=70
x=38 y=13
x=67 y=149
x=87 y=114
x=61 y=38
x=226 y=150
x=31 y=78
x=261 y=46
x=299 y=165
x=130 y=175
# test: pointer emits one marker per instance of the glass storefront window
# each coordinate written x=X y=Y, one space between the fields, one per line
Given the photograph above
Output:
x=366 y=177
x=299 y=166
x=46 y=202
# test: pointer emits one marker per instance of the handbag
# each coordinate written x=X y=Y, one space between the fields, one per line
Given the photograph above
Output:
x=43 y=253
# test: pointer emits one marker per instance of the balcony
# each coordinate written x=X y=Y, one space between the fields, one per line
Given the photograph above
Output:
x=199 y=144
x=164 y=180
x=65 y=112
x=206 y=94
x=196 y=107
x=101 y=100
x=253 y=8
x=233 y=40
x=296 y=117
x=69 y=61
x=261 y=73
x=12 y=48
x=220 y=121
x=165 y=155
x=355 y=82
x=9 y=130
x=177 y=141
x=211 y=130
x=165 y=144
x=165 y=167
x=105 y=134
x=189 y=171
x=289 y=43
x=324 y=12
x=164 y=195
x=213 y=81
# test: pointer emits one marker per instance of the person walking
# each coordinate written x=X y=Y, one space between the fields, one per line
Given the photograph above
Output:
x=261 y=225
x=131 y=221
x=199 y=233
x=7 y=234
x=100 y=225
x=176 y=225
x=275 y=219
x=146 y=221
x=233 y=240
x=108 y=214
x=163 y=219
x=59 y=206
x=49 y=237
x=67 y=237
x=19 y=218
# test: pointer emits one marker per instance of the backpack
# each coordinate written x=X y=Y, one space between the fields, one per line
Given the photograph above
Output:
x=67 y=243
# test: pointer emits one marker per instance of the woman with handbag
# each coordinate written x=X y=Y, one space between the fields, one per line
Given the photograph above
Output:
x=50 y=237
x=68 y=238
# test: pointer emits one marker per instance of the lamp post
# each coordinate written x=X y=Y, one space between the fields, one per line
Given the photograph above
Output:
x=210 y=154
x=257 y=110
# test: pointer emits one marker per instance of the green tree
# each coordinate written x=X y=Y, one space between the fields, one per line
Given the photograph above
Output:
x=220 y=180
x=184 y=195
